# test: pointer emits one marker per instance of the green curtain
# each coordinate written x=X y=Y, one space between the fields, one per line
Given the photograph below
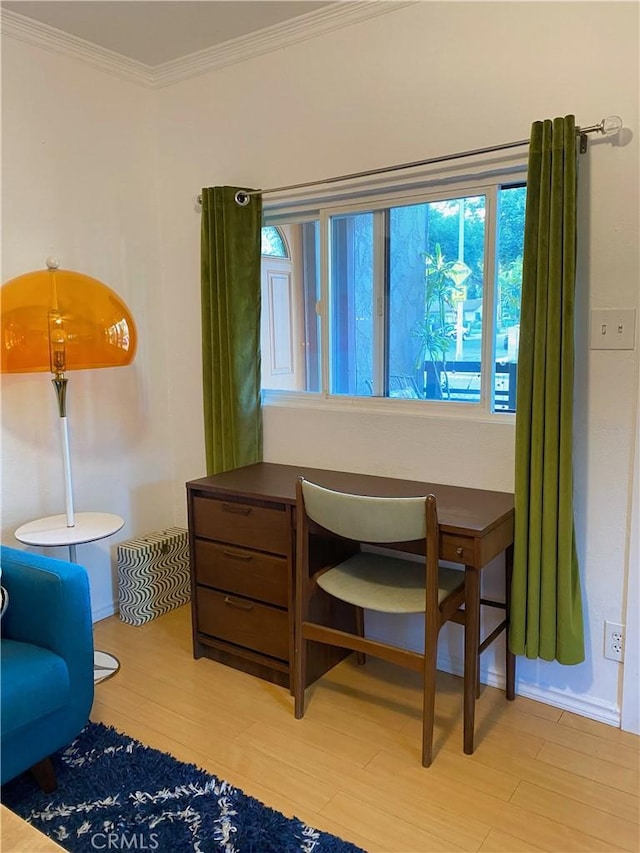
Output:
x=230 y=250
x=546 y=607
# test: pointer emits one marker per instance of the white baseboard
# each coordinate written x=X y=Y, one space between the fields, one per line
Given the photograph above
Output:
x=584 y=706
x=104 y=612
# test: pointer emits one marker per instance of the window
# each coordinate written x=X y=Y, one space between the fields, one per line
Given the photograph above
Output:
x=413 y=297
x=290 y=326
x=273 y=243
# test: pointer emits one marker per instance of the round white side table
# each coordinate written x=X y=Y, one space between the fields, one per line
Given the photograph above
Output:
x=88 y=527
x=53 y=530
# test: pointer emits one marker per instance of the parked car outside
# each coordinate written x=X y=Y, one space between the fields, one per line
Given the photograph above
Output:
x=451 y=331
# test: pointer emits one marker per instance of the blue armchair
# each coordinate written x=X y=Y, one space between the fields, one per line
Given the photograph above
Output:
x=46 y=661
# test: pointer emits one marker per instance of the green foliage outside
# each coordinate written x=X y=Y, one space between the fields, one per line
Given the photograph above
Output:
x=444 y=229
x=442 y=278
x=456 y=229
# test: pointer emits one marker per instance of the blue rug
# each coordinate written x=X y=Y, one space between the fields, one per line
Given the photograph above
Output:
x=114 y=793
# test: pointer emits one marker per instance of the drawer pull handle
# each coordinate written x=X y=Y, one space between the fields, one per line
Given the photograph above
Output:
x=238 y=509
x=235 y=556
x=241 y=605
x=459 y=552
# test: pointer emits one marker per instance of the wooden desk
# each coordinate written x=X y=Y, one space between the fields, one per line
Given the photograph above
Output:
x=242 y=547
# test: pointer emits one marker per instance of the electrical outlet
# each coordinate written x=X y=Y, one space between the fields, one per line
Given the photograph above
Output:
x=614 y=641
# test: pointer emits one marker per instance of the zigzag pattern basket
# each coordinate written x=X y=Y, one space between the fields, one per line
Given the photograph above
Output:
x=153 y=575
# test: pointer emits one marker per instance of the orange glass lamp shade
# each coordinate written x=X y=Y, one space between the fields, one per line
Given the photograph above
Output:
x=61 y=320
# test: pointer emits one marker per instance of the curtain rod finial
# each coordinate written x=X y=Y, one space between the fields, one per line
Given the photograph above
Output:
x=611 y=125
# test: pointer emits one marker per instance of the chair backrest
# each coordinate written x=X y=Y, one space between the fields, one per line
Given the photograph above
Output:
x=364 y=518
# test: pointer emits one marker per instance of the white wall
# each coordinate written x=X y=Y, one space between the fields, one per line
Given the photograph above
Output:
x=423 y=81
x=418 y=82
x=630 y=688
x=79 y=181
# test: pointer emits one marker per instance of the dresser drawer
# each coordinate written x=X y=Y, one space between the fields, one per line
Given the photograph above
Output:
x=247 y=573
x=242 y=524
x=243 y=622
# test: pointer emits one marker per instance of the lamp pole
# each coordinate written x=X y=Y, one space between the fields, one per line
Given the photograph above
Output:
x=60 y=385
x=58 y=359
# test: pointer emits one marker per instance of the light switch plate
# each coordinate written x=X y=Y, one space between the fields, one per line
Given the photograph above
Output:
x=613 y=328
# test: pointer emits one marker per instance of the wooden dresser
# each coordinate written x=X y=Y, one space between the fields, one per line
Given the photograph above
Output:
x=242 y=547
x=241 y=569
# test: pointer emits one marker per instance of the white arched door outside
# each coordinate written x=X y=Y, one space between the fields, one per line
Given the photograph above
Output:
x=281 y=322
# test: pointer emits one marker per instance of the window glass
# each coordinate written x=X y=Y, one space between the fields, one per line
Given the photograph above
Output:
x=272 y=243
x=407 y=232
x=290 y=326
x=510 y=247
x=351 y=304
x=309 y=276
x=436 y=274
x=420 y=305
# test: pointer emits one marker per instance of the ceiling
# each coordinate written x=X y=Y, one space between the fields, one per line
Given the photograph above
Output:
x=154 y=32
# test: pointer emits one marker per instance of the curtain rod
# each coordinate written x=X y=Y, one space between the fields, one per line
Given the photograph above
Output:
x=609 y=126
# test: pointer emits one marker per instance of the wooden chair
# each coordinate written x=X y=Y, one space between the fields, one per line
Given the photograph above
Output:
x=372 y=581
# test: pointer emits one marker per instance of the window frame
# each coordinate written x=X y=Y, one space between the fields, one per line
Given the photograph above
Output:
x=415 y=189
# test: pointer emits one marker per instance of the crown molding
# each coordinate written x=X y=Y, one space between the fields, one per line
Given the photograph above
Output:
x=55 y=40
x=279 y=36
x=336 y=16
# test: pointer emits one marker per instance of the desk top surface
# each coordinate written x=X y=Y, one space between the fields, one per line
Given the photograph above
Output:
x=473 y=511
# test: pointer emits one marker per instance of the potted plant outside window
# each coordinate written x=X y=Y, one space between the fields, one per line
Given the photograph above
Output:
x=442 y=279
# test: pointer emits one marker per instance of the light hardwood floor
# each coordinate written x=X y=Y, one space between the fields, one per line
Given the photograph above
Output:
x=540 y=778
x=18 y=836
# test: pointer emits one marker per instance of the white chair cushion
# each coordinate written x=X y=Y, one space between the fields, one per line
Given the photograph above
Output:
x=387 y=584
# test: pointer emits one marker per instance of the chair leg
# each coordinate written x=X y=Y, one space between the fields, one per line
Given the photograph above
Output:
x=361 y=658
x=45 y=775
x=471 y=628
x=478 y=664
x=429 y=690
x=299 y=674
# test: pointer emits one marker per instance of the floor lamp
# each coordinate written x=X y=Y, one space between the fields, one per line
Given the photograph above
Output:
x=54 y=321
